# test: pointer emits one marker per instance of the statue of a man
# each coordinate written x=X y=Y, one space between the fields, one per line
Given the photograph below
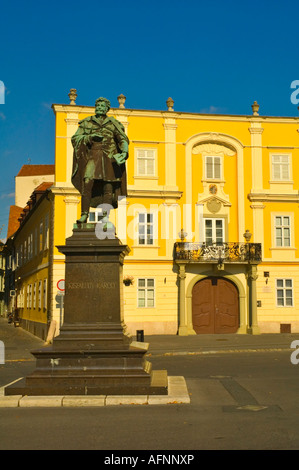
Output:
x=101 y=148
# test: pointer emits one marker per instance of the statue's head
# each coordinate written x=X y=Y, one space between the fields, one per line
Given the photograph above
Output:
x=102 y=106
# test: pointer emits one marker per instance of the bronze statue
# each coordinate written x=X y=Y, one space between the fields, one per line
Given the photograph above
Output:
x=101 y=148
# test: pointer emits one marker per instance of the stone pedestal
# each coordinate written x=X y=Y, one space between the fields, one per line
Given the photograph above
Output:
x=92 y=355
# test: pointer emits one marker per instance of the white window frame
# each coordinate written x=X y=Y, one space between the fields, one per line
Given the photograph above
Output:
x=36 y=241
x=22 y=297
x=45 y=287
x=284 y=288
x=146 y=289
x=34 y=295
x=150 y=154
x=214 y=228
x=18 y=257
x=282 y=227
x=280 y=165
x=21 y=260
x=30 y=295
x=95 y=216
x=146 y=224
x=213 y=176
x=29 y=248
x=46 y=232
x=40 y=282
x=27 y=296
x=41 y=236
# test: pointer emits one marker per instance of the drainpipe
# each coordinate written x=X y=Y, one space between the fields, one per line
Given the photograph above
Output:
x=252 y=277
x=183 y=328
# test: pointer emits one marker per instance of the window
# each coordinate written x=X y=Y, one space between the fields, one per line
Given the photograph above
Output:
x=30 y=246
x=22 y=297
x=40 y=236
x=45 y=294
x=284 y=292
x=214 y=231
x=17 y=257
x=46 y=237
x=95 y=216
x=145 y=229
x=34 y=295
x=213 y=167
x=35 y=241
x=281 y=167
x=39 y=294
x=282 y=231
x=145 y=162
x=30 y=296
x=21 y=256
x=146 y=293
x=25 y=251
x=91 y=217
x=27 y=297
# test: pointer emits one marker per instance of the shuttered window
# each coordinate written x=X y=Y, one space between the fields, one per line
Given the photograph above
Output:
x=213 y=167
x=281 y=167
x=145 y=162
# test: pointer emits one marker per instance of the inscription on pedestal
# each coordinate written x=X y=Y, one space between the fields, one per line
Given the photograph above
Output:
x=92 y=292
x=92 y=285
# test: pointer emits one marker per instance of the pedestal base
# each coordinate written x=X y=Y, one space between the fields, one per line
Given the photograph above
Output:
x=121 y=372
x=92 y=355
x=86 y=361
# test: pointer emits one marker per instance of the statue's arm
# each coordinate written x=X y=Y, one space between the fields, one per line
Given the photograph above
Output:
x=122 y=140
x=82 y=136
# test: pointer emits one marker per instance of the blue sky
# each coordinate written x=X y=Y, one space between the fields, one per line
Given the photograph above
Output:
x=209 y=56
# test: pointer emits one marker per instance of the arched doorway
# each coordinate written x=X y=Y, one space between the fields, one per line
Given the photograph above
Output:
x=215 y=306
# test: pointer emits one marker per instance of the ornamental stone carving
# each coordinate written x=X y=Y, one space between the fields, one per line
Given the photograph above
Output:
x=213 y=149
x=214 y=205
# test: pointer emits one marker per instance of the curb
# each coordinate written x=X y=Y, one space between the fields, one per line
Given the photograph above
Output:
x=177 y=394
x=218 y=351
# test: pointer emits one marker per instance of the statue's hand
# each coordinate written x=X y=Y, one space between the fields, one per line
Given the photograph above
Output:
x=120 y=158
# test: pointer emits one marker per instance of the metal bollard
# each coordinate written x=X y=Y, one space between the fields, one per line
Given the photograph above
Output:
x=140 y=335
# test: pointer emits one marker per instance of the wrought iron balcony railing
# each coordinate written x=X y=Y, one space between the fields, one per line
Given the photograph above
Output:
x=219 y=252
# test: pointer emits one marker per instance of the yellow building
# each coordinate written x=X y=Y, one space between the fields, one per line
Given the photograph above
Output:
x=219 y=178
x=27 y=249
x=210 y=219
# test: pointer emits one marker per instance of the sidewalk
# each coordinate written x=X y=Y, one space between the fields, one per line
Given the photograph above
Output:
x=18 y=343
x=211 y=344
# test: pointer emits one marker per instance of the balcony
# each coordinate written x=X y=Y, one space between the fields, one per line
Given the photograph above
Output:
x=218 y=252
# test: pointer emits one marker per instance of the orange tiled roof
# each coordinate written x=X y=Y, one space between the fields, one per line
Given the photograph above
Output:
x=43 y=186
x=18 y=214
x=13 y=222
x=34 y=170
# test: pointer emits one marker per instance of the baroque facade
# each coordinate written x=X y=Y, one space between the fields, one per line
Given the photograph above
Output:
x=210 y=219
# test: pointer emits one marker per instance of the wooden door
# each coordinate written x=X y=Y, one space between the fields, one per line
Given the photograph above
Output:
x=215 y=306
